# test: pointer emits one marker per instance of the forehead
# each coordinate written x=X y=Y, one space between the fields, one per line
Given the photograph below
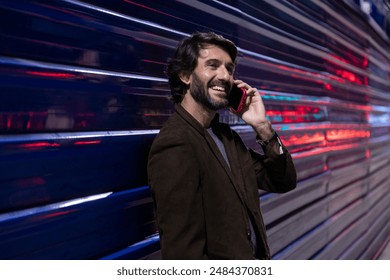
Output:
x=214 y=52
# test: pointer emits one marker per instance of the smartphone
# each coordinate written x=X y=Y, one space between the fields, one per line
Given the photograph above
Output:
x=237 y=98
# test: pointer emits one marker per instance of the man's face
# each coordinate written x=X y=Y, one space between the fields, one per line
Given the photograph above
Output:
x=212 y=79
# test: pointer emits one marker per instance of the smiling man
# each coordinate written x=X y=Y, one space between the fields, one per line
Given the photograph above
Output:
x=204 y=180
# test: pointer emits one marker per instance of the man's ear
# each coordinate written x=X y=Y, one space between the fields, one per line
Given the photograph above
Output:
x=185 y=78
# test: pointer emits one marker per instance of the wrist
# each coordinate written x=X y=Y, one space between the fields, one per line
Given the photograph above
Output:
x=264 y=143
x=264 y=130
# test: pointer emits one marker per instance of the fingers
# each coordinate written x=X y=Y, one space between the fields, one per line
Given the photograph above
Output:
x=250 y=91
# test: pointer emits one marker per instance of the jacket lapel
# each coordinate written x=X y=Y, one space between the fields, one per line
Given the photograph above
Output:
x=235 y=167
x=227 y=139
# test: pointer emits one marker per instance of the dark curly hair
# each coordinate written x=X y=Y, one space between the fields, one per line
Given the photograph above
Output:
x=186 y=57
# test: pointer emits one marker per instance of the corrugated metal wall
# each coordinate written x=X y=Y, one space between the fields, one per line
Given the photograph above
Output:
x=82 y=95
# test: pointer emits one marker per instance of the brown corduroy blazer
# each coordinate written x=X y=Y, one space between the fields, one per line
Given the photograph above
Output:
x=202 y=205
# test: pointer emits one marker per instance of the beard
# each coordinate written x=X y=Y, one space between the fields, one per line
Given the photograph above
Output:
x=200 y=93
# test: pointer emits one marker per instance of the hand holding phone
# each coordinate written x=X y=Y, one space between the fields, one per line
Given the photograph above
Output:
x=237 y=98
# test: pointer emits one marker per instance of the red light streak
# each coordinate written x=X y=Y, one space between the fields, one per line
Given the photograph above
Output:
x=28 y=126
x=325 y=149
x=303 y=139
x=337 y=79
x=311 y=76
x=154 y=62
x=39 y=145
x=51 y=74
x=298 y=111
x=88 y=142
x=9 y=122
x=365 y=80
x=150 y=9
x=346 y=75
x=296 y=114
x=55 y=214
x=349 y=76
x=365 y=62
x=325 y=168
x=332 y=135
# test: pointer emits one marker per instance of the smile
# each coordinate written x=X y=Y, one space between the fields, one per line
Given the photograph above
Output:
x=218 y=88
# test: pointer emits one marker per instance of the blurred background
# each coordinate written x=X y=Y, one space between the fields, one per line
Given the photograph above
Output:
x=83 y=94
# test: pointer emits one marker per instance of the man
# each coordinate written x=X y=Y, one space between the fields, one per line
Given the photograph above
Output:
x=204 y=180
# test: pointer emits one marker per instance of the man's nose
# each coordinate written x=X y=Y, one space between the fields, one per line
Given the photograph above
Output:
x=223 y=73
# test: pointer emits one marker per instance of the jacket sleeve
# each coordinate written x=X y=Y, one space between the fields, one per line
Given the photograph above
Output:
x=275 y=172
x=173 y=176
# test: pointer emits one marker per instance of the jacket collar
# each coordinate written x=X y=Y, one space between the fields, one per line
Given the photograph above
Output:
x=203 y=131
x=192 y=121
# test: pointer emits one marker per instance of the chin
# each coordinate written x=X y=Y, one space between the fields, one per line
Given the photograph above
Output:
x=218 y=105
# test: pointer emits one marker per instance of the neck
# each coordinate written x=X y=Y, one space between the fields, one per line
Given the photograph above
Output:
x=202 y=114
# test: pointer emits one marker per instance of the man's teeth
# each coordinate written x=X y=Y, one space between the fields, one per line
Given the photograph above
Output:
x=218 y=88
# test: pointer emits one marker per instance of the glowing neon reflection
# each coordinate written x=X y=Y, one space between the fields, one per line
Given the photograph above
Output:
x=44 y=144
x=339 y=134
x=54 y=215
x=349 y=76
x=39 y=145
x=317 y=137
x=88 y=142
x=51 y=74
x=323 y=150
x=296 y=114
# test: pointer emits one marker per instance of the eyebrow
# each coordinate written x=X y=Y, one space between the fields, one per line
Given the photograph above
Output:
x=213 y=60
